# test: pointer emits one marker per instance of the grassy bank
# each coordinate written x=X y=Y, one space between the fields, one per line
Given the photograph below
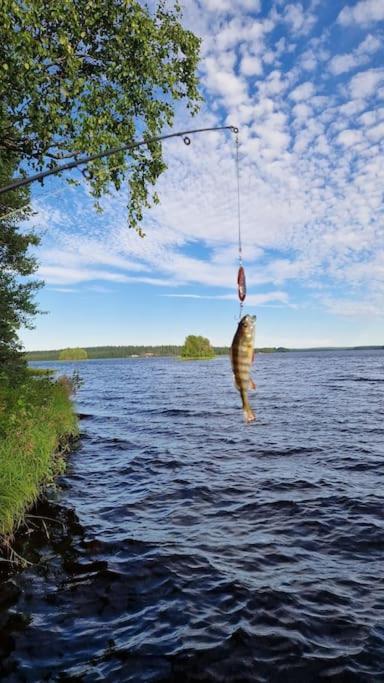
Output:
x=36 y=421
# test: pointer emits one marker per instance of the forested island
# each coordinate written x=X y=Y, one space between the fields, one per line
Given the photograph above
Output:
x=197 y=348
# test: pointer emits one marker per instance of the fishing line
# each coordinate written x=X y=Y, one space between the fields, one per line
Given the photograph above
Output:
x=238 y=201
x=241 y=281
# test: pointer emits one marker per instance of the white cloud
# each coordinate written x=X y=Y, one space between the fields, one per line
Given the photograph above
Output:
x=251 y=66
x=302 y=92
x=216 y=5
x=348 y=138
x=300 y=21
x=372 y=268
x=237 y=30
x=275 y=139
x=361 y=55
x=224 y=83
x=274 y=84
x=309 y=60
x=61 y=275
x=363 y=13
x=367 y=119
x=231 y=5
x=370 y=45
x=311 y=172
x=365 y=83
x=352 y=308
x=352 y=107
x=252 y=299
x=302 y=111
x=376 y=133
x=269 y=57
x=87 y=251
x=342 y=63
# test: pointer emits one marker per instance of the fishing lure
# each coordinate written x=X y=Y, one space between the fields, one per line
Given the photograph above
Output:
x=241 y=284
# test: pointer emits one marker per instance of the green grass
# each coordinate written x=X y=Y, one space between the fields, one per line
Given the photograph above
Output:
x=36 y=420
x=38 y=372
x=197 y=357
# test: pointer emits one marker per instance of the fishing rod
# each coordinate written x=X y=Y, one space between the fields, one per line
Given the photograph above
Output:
x=84 y=160
x=20 y=182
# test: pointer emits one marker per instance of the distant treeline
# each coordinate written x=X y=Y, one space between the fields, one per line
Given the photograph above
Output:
x=342 y=348
x=132 y=351
x=111 y=352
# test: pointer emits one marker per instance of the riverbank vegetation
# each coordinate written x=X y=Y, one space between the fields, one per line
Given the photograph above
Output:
x=36 y=414
x=37 y=420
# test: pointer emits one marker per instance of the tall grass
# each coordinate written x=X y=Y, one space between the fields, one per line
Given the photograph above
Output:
x=36 y=419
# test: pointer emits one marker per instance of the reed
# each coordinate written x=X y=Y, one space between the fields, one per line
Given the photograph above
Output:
x=37 y=420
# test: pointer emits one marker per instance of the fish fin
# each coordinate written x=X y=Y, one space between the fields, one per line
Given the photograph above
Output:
x=237 y=385
x=252 y=384
x=249 y=415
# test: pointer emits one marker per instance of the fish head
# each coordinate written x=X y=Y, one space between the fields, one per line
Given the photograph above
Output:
x=247 y=324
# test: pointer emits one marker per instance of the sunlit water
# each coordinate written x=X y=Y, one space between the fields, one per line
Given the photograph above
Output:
x=203 y=549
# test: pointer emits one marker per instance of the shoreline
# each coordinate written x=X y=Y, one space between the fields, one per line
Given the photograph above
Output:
x=137 y=353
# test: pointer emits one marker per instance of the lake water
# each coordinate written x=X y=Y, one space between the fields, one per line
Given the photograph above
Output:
x=194 y=547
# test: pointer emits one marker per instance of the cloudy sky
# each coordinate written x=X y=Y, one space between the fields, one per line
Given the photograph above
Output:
x=304 y=81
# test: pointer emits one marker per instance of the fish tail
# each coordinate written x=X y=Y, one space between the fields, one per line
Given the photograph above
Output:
x=249 y=415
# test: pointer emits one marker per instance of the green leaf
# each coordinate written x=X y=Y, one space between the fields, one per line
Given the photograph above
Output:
x=88 y=76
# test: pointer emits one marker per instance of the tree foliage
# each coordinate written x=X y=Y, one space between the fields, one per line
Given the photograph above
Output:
x=16 y=293
x=197 y=347
x=82 y=76
x=73 y=354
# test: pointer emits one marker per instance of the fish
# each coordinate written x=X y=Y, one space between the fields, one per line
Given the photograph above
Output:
x=242 y=355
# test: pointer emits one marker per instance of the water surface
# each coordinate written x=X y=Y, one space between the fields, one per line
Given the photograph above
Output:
x=198 y=548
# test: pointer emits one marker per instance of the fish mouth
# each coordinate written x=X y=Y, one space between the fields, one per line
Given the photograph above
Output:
x=248 y=321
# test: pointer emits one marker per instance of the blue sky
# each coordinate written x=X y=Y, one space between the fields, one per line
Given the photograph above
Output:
x=304 y=81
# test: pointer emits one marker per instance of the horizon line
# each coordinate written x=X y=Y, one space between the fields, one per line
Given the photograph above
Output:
x=222 y=346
